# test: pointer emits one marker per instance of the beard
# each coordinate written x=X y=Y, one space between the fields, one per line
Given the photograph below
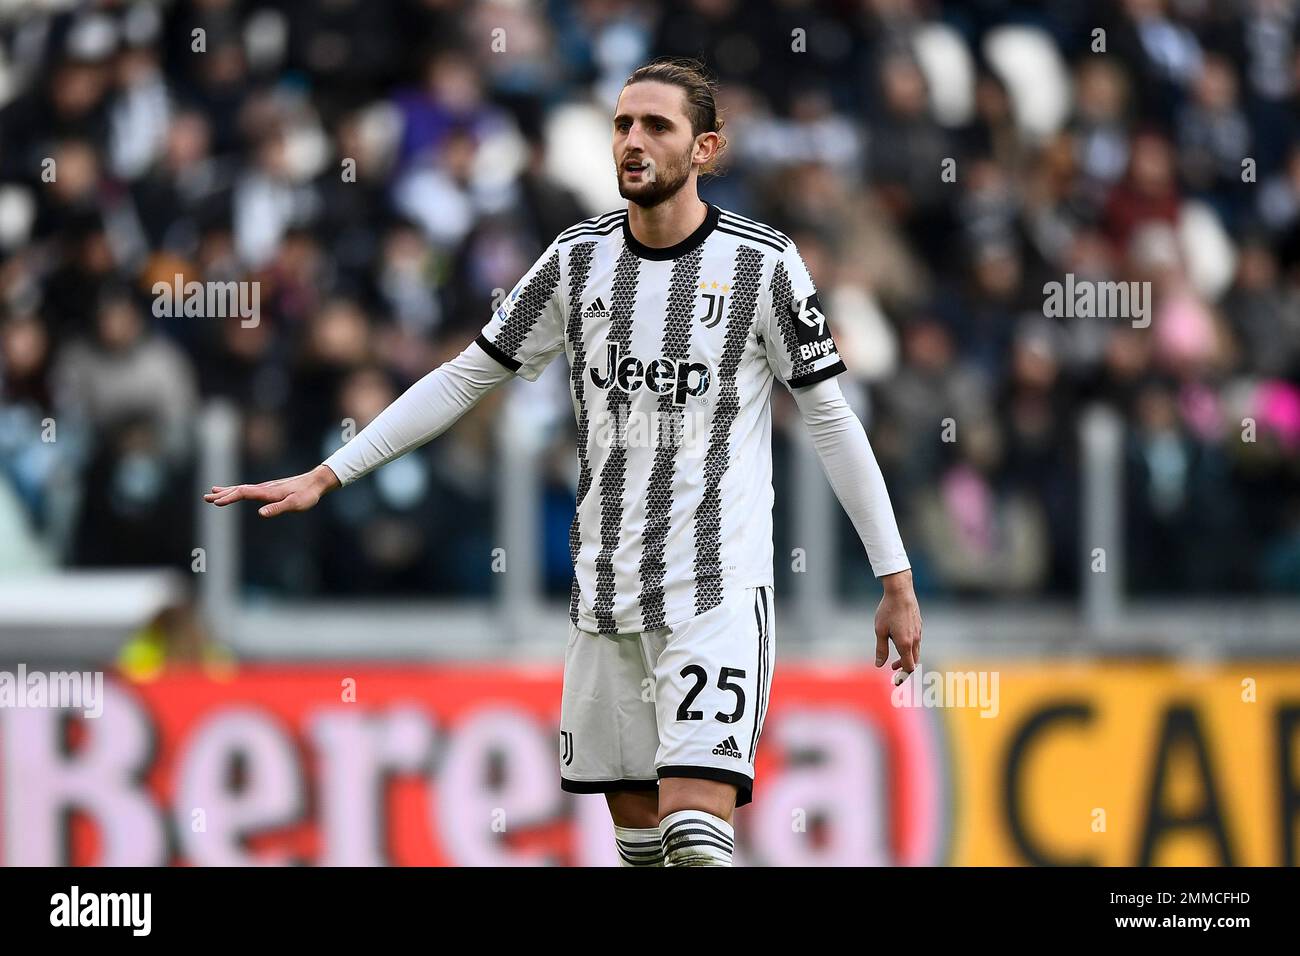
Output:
x=669 y=178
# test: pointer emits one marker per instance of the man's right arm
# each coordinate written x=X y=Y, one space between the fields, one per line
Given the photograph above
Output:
x=424 y=411
x=524 y=334
x=421 y=413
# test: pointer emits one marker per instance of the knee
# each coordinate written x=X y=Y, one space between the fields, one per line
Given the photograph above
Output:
x=690 y=793
x=635 y=809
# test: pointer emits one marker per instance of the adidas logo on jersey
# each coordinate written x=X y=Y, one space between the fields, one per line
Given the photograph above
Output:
x=661 y=375
x=597 y=310
x=728 y=748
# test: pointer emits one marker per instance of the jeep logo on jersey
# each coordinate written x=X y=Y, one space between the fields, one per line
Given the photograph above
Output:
x=681 y=377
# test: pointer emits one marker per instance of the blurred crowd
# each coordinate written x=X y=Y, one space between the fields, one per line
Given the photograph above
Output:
x=383 y=169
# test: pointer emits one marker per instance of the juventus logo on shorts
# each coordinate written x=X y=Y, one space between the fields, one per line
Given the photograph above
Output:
x=566 y=742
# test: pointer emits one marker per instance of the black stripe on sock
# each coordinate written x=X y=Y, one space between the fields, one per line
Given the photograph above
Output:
x=689 y=826
x=716 y=846
x=630 y=856
x=649 y=861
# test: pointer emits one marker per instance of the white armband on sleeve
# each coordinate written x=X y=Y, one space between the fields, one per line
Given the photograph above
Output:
x=423 y=412
x=851 y=466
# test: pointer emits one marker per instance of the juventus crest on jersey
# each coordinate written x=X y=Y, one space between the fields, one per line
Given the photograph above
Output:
x=672 y=353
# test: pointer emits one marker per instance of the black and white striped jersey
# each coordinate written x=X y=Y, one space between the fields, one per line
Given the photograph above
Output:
x=672 y=353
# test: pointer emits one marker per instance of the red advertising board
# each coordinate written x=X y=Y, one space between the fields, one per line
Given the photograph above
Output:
x=366 y=765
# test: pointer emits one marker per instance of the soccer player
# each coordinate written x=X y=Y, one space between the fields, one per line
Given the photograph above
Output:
x=675 y=317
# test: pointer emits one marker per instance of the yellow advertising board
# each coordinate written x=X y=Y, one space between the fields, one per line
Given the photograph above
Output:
x=1122 y=764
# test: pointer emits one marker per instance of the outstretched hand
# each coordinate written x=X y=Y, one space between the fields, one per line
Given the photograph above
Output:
x=299 y=493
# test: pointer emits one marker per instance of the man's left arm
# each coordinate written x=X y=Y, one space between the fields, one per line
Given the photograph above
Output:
x=851 y=466
x=801 y=351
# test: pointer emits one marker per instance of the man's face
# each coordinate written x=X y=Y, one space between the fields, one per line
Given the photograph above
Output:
x=653 y=142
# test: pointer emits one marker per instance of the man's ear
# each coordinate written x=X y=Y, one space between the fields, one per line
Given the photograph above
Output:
x=706 y=148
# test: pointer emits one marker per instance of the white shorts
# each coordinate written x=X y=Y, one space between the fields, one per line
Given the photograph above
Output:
x=683 y=701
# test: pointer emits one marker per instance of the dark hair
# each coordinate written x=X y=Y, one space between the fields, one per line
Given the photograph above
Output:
x=700 y=89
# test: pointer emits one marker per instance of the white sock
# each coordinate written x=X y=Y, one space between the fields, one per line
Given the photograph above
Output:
x=638 y=847
x=696 y=838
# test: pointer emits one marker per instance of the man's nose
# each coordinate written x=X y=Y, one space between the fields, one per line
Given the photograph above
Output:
x=634 y=139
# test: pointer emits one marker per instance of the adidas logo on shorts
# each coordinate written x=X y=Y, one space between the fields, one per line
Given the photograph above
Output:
x=728 y=748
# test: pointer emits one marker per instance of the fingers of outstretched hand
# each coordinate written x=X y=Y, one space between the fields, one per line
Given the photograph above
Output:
x=216 y=492
x=226 y=496
x=295 y=501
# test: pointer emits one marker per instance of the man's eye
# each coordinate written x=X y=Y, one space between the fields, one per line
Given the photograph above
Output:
x=660 y=127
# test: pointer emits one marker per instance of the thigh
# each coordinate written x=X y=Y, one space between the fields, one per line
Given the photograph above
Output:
x=712 y=679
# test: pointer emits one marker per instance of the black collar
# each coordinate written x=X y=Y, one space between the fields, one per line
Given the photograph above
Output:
x=678 y=249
